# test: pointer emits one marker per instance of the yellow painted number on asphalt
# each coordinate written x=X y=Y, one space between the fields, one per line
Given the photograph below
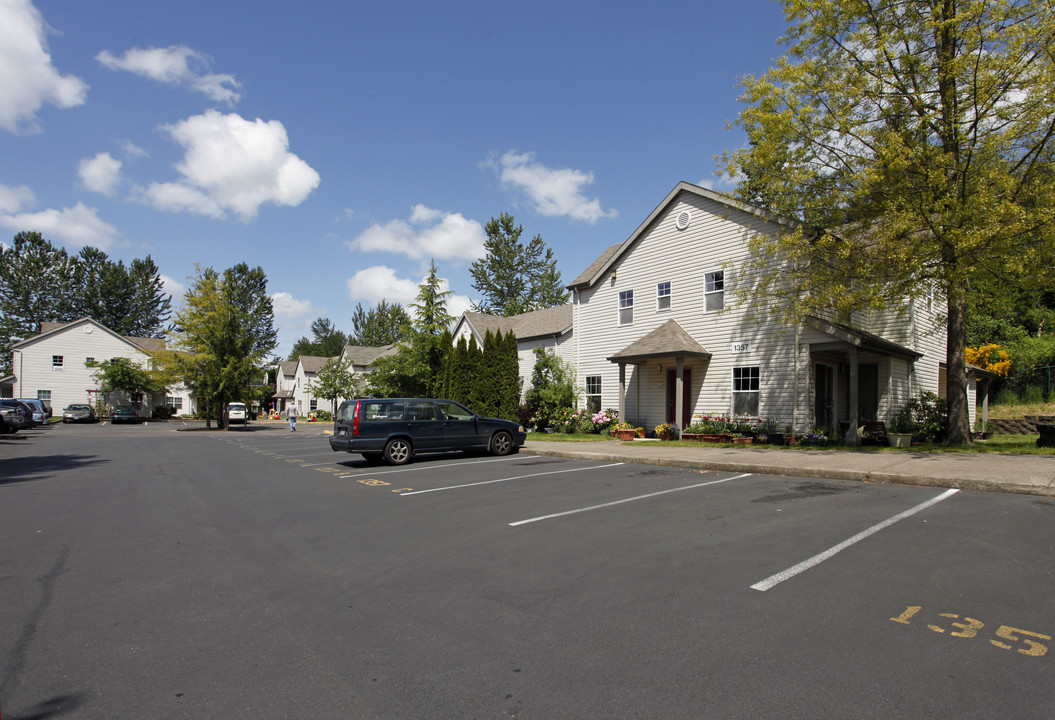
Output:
x=968 y=628
x=402 y=490
x=372 y=482
x=329 y=470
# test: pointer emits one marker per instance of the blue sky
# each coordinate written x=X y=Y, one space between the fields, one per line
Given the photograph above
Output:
x=341 y=146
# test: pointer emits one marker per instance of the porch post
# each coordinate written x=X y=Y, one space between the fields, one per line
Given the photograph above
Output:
x=851 y=434
x=679 y=401
x=622 y=392
x=985 y=405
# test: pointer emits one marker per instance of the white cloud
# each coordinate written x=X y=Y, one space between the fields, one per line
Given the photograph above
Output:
x=131 y=150
x=553 y=193
x=13 y=199
x=374 y=284
x=175 y=65
x=428 y=233
x=79 y=225
x=173 y=287
x=232 y=165
x=101 y=174
x=378 y=283
x=288 y=307
x=27 y=77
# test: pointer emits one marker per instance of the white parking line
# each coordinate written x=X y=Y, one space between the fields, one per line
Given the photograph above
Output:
x=447 y=465
x=625 y=500
x=791 y=572
x=515 y=477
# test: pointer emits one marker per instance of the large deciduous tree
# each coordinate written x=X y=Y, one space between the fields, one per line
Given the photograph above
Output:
x=335 y=380
x=919 y=137
x=224 y=334
x=514 y=277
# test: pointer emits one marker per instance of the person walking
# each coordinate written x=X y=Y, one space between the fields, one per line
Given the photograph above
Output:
x=291 y=413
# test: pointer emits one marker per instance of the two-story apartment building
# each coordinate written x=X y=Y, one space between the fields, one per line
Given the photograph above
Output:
x=660 y=334
x=53 y=366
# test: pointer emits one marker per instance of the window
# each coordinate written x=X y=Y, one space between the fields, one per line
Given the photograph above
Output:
x=745 y=391
x=44 y=396
x=626 y=307
x=176 y=403
x=593 y=393
x=714 y=291
x=136 y=398
x=381 y=410
x=56 y=362
x=663 y=296
x=89 y=360
x=313 y=404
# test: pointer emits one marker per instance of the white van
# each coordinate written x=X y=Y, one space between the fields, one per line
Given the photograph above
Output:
x=236 y=413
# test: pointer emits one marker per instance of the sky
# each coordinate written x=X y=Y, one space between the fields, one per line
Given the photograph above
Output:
x=343 y=146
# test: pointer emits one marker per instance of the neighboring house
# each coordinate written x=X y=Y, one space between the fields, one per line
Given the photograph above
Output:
x=285 y=381
x=52 y=367
x=305 y=373
x=550 y=328
x=659 y=334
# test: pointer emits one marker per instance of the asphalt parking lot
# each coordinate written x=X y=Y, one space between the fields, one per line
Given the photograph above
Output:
x=255 y=573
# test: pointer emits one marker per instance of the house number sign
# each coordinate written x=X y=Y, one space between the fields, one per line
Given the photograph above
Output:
x=741 y=347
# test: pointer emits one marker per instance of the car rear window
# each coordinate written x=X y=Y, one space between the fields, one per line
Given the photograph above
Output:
x=381 y=410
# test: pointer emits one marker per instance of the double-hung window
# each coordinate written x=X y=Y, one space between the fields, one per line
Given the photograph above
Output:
x=626 y=307
x=56 y=362
x=714 y=291
x=593 y=393
x=663 y=296
x=745 y=391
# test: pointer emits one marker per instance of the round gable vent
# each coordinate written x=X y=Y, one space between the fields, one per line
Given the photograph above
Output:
x=684 y=218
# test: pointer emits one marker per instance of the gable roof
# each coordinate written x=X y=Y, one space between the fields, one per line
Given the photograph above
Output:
x=668 y=340
x=861 y=339
x=365 y=354
x=312 y=363
x=599 y=268
x=50 y=329
x=288 y=368
x=547 y=322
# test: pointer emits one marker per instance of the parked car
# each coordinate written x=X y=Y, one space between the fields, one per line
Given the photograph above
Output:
x=79 y=413
x=395 y=429
x=124 y=413
x=24 y=412
x=41 y=414
x=10 y=419
x=236 y=413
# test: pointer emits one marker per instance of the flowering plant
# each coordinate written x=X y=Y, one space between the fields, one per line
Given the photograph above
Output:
x=667 y=428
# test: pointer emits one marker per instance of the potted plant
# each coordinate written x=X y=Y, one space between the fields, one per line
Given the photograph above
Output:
x=623 y=431
x=769 y=432
x=902 y=427
x=667 y=431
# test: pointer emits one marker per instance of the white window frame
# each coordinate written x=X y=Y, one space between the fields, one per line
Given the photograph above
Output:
x=714 y=291
x=57 y=362
x=176 y=403
x=44 y=396
x=745 y=385
x=626 y=307
x=313 y=404
x=593 y=393
x=663 y=296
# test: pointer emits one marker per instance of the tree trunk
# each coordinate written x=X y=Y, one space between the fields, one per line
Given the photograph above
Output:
x=956 y=369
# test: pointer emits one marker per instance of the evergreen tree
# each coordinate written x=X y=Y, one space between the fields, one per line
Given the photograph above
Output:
x=515 y=278
x=327 y=341
x=384 y=324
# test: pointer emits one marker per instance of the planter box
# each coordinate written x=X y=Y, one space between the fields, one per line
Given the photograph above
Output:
x=692 y=436
x=899 y=440
x=624 y=435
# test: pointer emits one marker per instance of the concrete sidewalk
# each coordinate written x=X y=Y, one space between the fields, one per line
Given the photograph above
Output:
x=1030 y=474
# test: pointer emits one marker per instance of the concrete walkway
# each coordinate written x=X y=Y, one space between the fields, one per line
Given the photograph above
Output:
x=1031 y=474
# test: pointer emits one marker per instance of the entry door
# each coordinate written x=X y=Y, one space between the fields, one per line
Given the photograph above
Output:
x=686 y=394
x=823 y=396
x=868 y=391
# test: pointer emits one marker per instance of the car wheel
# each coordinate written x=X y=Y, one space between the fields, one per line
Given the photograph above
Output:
x=501 y=443
x=372 y=458
x=398 y=451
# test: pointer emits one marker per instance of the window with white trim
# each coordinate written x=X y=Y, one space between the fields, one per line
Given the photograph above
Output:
x=663 y=296
x=56 y=362
x=745 y=391
x=593 y=393
x=44 y=396
x=313 y=404
x=89 y=360
x=626 y=307
x=714 y=291
x=176 y=403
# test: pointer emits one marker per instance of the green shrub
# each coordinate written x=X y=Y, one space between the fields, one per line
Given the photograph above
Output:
x=162 y=412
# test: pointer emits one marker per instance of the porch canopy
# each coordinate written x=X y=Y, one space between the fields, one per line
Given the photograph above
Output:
x=849 y=342
x=668 y=341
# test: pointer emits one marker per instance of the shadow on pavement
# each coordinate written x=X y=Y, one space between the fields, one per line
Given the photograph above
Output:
x=53 y=707
x=41 y=467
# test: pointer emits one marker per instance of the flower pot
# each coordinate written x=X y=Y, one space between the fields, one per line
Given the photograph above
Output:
x=746 y=440
x=668 y=436
x=696 y=437
x=899 y=440
x=624 y=435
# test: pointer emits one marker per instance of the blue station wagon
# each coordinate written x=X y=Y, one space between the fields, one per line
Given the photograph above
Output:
x=395 y=429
